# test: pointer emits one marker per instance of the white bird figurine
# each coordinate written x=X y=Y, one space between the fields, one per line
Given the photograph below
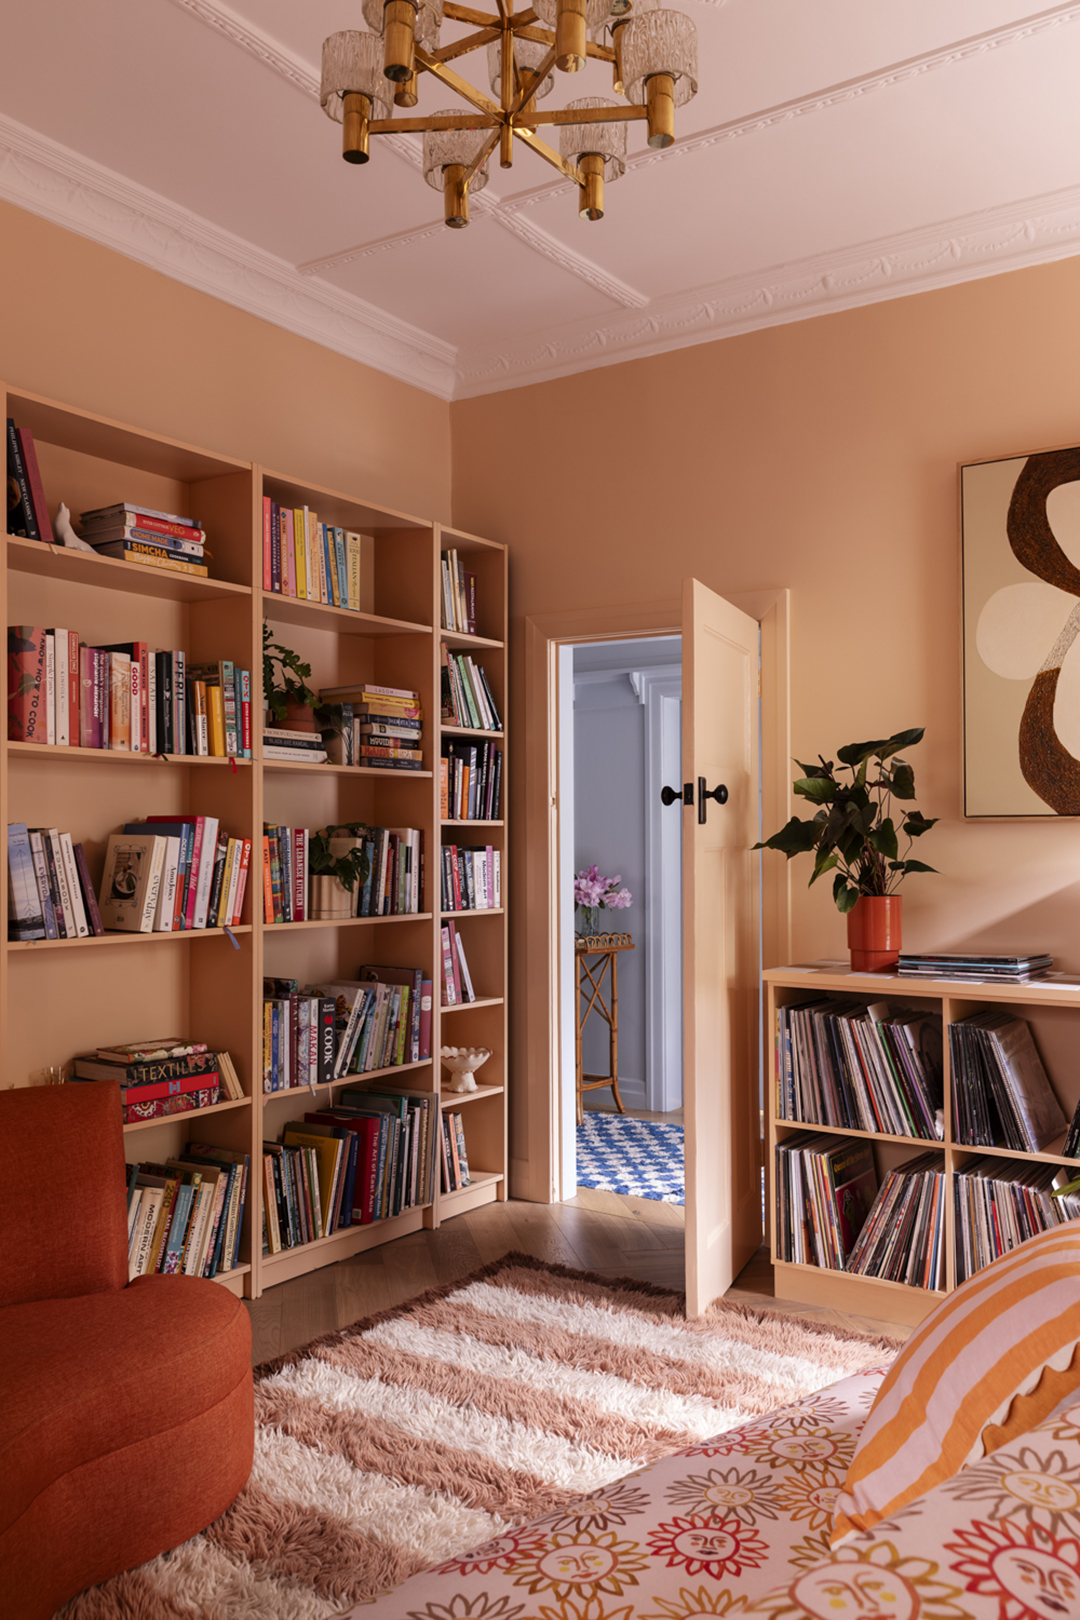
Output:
x=64 y=532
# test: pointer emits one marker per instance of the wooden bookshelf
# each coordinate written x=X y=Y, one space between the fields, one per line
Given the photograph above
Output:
x=58 y=998
x=1050 y=1008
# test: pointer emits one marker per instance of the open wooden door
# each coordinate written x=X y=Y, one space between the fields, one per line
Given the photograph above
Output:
x=720 y=942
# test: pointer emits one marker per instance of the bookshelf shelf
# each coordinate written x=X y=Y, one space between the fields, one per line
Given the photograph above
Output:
x=215 y=994
x=464 y=1006
x=472 y=823
x=1049 y=1007
x=480 y=911
x=97 y=941
x=450 y=1099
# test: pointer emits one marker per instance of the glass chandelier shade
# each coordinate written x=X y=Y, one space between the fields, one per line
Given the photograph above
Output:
x=597 y=12
x=528 y=53
x=444 y=148
x=429 y=17
x=659 y=43
x=607 y=140
x=352 y=63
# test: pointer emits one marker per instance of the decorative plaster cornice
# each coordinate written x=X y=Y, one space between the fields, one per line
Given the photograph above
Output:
x=51 y=180
x=1033 y=231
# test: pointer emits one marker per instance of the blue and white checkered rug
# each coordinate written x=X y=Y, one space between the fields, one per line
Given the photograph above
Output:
x=640 y=1157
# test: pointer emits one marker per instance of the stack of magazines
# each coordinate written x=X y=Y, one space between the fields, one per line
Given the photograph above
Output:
x=1001 y=1091
x=994 y=969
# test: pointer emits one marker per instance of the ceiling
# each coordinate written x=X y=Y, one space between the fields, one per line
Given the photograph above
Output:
x=838 y=152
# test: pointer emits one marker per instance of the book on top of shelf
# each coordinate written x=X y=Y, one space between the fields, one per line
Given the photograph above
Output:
x=107 y=514
x=1008 y=969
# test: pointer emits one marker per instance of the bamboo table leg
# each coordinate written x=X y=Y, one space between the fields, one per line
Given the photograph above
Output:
x=590 y=999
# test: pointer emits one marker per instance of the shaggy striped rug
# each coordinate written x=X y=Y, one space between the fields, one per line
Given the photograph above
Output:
x=432 y=1428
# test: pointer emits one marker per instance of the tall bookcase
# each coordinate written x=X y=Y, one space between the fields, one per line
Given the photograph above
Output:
x=58 y=998
x=1053 y=1012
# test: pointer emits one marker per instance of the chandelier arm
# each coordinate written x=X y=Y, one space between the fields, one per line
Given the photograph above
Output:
x=471 y=42
x=544 y=36
x=482 y=155
x=542 y=149
x=466 y=14
x=586 y=115
x=461 y=86
x=526 y=90
x=418 y=125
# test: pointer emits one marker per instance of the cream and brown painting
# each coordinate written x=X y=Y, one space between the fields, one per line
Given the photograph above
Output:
x=1021 y=591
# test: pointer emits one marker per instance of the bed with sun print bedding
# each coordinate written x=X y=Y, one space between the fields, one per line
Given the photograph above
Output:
x=740 y=1525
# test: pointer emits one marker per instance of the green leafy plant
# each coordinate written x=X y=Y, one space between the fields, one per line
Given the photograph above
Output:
x=285 y=677
x=349 y=869
x=855 y=833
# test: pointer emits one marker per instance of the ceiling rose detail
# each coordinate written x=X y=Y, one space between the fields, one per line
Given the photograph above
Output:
x=652 y=54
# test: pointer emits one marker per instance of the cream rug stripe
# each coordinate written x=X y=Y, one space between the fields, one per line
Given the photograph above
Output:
x=680 y=1415
x=412 y=1437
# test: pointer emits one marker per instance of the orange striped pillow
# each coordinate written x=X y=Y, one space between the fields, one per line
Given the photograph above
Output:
x=960 y=1373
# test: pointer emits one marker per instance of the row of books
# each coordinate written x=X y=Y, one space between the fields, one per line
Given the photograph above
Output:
x=172 y=874
x=372 y=729
x=869 y=1068
x=458 y=595
x=457 y=985
x=392 y=887
x=1001 y=1092
x=185 y=1216
x=466 y=696
x=366 y=1159
x=470 y=781
x=454 y=1160
x=126 y=697
x=903 y=1237
x=315 y=561
x=50 y=895
x=824 y=1191
x=29 y=516
x=160 y=1078
x=471 y=877
x=315 y=1034
x=138 y=534
x=1000 y=1203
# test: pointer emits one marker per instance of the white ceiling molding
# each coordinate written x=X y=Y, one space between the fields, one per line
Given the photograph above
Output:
x=263 y=46
x=70 y=190
x=1034 y=231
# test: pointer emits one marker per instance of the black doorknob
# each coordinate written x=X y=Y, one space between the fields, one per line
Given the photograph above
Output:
x=719 y=793
x=670 y=795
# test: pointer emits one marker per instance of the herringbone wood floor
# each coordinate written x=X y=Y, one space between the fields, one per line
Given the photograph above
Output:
x=596 y=1231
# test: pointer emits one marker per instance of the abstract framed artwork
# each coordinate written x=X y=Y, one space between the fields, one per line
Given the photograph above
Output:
x=1020 y=523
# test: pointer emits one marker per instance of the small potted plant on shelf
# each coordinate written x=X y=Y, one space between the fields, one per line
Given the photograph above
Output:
x=855 y=836
x=289 y=700
x=593 y=894
x=338 y=864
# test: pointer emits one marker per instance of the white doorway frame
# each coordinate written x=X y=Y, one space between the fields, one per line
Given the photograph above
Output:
x=660 y=693
x=539 y=1152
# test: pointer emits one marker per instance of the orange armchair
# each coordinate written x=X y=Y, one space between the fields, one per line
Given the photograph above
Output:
x=126 y=1409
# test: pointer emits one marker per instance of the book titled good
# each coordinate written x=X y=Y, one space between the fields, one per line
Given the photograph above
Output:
x=130 y=882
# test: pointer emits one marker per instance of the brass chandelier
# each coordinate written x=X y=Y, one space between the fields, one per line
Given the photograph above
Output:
x=366 y=73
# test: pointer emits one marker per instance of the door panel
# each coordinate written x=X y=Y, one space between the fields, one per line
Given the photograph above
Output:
x=720 y=944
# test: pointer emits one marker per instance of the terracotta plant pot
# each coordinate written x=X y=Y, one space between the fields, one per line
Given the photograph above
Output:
x=330 y=899
x=873 y=932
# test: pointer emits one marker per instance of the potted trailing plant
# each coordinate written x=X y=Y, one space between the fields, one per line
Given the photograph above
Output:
x=338 y=865
x=856 y=834
x=286 y=694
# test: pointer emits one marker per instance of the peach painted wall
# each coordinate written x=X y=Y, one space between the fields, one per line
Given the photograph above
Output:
x=821 y=456
x=87 y=326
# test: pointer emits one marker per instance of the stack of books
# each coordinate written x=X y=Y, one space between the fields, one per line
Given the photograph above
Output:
x=127 y=697
x=466 y=696
x=310 y=560
x=299 y=747
x=380 y=727
x=824 y=1190
x=903 y=1238
x=457 y=985
x=454 y=1161
x=1001 y=1092
x=861 y=1067
x=29 y=516
x=393 y=886
x=171 y=874
x=470 y=781
x=186 y=1216
x=1000 y=1203
x=159 y=1078
x=50 y=893
x=471 y=877
x=137 y=534
x=987 y=969
x=319 y=1033
x=458 y=595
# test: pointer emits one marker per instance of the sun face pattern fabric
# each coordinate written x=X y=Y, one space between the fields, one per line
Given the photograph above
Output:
x=959 y=1374
x=641 y=1158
